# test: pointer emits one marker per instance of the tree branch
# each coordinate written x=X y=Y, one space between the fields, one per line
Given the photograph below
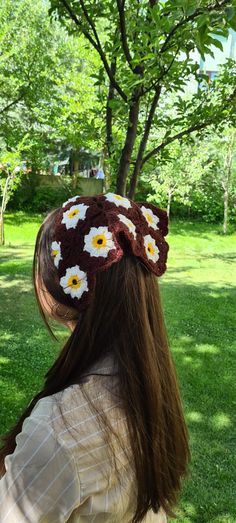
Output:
x=164 y=73
x=121 y=11
x=185 y=132
x=15 y=102
x=129 y=143
x=18 y=99
x=143 y=143
x=216 y=7
x=91 y=23
x=95 y=43
x=109 y=111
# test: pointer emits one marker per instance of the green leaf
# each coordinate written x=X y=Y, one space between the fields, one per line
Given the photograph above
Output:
x=232 y=22
x=230 y=12
x=217 y=43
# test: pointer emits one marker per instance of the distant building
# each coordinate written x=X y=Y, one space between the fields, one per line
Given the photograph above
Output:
x=72 y=162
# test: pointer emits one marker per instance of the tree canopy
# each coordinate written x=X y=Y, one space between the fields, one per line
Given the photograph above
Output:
x=45 y=92
x=146 y=56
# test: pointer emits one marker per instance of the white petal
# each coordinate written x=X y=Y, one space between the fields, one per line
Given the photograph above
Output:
x=119 y=201
x=151 y=256
x=56 y=246
x=72 y=222
x=128 y=223
x=154 y=219
x=73 y=199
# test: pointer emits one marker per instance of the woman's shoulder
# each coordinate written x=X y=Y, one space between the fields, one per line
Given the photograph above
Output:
x=98 y=376
x=78 y=406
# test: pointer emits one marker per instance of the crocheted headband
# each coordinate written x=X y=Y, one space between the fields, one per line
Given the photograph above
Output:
x=89 y=237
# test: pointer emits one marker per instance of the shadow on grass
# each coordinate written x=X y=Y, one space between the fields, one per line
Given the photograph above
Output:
x=21 y=218
x=15 y=272
x=16 y=254
x=194 y=228
x=200 y=321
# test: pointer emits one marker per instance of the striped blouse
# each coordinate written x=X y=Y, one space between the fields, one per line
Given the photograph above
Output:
x=62 y=468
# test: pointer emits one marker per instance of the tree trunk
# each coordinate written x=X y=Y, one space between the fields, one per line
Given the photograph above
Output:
x=227 y=178
x=226 y=206
x=168 y=203
x=2 y=210
x=128 y=147
x=143 y=144
x=134 y=179
x=2 y=238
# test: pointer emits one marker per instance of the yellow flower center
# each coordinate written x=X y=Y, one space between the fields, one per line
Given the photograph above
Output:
x=149 y=218
x=73 y=213
x=74 y=282
x=150 y=248
x=119 y=197
x=99 y=241
x=55 y=253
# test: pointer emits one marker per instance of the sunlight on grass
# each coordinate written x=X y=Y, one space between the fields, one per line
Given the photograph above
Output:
x=5 y=336
x=21 y=227
x=4 y=360
x=209 y=349
x=19 y=284
x=221 y=421
x=194 y=416
x=190 y=509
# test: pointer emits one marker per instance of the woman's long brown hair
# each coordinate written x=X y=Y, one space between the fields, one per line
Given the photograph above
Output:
x=126 y=308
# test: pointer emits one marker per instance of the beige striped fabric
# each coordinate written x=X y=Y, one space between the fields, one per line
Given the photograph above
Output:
x=62 y=468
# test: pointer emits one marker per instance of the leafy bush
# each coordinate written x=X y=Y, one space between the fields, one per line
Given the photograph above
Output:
x=35 y=197
x=47 y=198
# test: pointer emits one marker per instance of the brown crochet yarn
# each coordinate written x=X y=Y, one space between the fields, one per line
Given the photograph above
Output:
x=92 y=233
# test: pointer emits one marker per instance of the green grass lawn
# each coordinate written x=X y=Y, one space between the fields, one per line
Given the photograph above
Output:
x=199 y=295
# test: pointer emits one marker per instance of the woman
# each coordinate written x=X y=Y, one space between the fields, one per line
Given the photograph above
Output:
x=105 y=440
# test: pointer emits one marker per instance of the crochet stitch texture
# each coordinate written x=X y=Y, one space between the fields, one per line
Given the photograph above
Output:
x=92 y=233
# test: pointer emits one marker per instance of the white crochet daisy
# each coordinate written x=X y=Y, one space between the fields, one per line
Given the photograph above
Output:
x=74 y=214
x=56 y=252
x=74 y=282
x=98 y=242
x=118 y=200
x=73 y=199
x=151 y=248
x=128 y=224
x=151 y=218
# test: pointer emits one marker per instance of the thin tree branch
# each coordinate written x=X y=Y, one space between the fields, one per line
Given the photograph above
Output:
x=196 y=127
x=15 y=102
x=121 y=11
x=91 y=23
x=185 y=132
x=149 y=120
x=110 y=97
x=164 y=73
x=96 y=44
